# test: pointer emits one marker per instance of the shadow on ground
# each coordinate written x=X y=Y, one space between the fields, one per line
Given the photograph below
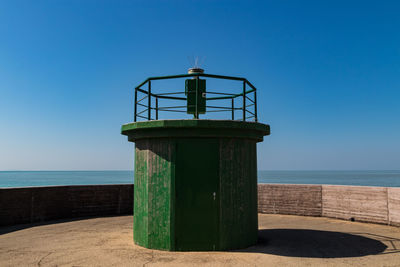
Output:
x=18 y=227
x=319 y=244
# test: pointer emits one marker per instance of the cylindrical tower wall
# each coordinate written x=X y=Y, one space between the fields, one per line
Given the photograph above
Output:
x=195 y=184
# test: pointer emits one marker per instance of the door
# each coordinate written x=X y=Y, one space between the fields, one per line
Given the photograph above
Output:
x=196 y=187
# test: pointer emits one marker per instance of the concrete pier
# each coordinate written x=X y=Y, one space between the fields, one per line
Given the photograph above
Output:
x=284 y=240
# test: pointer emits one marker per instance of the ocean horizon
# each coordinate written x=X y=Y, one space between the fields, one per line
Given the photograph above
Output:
x=384 y=178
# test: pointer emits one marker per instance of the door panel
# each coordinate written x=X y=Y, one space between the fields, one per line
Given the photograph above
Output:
x=196 y=185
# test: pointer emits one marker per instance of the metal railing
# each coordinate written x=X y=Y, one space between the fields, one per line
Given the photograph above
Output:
x=248 y=105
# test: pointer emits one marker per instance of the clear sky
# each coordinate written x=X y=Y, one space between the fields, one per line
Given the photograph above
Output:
x=328 y=75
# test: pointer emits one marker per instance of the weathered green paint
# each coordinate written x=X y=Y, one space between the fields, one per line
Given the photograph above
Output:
x=179 y=165
x=152 y=207
x=140 y=206
x=238 y=183
x=159 y=167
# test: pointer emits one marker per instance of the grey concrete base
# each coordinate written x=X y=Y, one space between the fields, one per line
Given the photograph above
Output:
x=284 y=240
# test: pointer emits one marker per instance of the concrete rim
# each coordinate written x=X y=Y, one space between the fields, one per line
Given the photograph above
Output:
x=195 y=128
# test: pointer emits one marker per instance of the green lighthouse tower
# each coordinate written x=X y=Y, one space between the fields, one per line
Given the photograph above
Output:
x=195 y=179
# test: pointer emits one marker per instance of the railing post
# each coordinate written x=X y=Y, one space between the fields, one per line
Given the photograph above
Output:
x=156 y=108
x=149 y=102
x=196 y=116
x=233 y=109
x=134 y=119
x=244 y=100
x=255 y=106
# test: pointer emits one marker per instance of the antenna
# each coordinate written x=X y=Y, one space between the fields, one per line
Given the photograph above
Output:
x=191 y=60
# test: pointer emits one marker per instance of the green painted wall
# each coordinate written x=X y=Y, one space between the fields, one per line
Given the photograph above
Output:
x=238 y=185
x=140 y=201
x=152 y=207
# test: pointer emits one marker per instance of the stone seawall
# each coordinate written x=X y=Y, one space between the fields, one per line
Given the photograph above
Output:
x=290 y=199
x=37 y=204
x=359 y=203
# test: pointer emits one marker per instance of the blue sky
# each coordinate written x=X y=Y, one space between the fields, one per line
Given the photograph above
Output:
x=328 y=75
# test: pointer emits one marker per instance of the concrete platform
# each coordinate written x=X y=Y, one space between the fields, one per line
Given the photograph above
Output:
x=284 y=240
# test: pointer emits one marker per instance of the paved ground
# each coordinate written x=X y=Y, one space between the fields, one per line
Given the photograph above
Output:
x=284 y=241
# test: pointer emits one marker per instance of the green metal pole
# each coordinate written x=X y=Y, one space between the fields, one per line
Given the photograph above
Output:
x=233 y=109
x=244 y=101
x=197 y=92
x=149 y=102
x=135 y=105
x=196 y=75
x=255 y=106
x=156 y=108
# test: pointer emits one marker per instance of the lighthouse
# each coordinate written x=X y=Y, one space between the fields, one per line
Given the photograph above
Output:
x=195 y=184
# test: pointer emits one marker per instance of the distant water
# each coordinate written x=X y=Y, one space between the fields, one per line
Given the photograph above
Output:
x=367 y=178
x=46 y=178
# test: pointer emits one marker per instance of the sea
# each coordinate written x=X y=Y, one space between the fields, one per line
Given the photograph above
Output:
x=53 y=178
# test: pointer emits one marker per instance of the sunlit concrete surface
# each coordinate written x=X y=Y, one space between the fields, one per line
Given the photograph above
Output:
x=283 y=241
